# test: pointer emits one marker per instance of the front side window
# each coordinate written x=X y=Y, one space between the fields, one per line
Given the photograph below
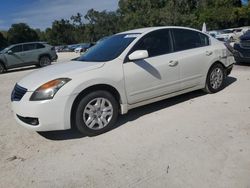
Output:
x=185 y=39
x=109 y=48
x=156 y=43
x=28 y=47
x=16 y=49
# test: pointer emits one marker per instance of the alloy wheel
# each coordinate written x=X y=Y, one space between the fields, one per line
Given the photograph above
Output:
x=216 y=78
x=98 y=113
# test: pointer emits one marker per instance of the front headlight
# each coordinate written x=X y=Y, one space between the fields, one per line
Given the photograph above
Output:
x=48 y=90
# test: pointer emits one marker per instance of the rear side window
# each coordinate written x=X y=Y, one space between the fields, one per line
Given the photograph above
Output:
x=204 y=40
x=156 y=43
x=187 y=39
x=16 y=49
x=28 y=47
x=39 y=46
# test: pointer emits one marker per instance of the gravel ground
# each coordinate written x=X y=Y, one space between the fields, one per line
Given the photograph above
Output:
x=194 y=140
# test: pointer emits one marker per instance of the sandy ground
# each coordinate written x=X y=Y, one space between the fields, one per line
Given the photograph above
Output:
x=194 y=140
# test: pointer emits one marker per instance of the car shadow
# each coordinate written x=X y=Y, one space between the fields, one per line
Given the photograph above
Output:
x=61 y=135
x=21 y=69
x=243 y=64
x=135 y=113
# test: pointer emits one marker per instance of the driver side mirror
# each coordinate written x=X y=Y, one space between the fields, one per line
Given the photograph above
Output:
x=138 y=55
x=9 y=52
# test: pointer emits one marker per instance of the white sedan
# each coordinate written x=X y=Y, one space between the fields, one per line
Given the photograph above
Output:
x=121 y=72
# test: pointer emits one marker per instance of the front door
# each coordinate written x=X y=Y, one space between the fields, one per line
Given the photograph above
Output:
x=154 y=76
x=15 y=58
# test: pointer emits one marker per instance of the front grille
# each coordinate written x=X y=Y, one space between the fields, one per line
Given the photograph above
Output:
x=18 y=93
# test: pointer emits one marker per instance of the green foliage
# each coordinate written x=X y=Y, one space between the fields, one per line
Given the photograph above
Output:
x=100 y=24
x=21 y=32
x=3 y=41
x=60 y=33
x=131 y=14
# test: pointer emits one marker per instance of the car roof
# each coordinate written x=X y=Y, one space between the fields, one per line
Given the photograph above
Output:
x=28 y=43
x=148 y=29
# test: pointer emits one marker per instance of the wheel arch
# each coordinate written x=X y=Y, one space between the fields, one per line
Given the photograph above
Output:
x=44 y=54
x=90 y=89
x=216 y=62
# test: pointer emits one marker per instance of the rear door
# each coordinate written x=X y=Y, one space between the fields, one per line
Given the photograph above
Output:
x=193 y=52
x=156 y=75
x=30 y=53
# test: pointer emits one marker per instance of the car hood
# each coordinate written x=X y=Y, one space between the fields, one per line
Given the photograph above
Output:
x=61 y=70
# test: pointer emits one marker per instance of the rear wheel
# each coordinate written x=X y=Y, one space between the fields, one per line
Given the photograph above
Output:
x=96 y=113
x=44 y=61
x=2 y=68
x=215 y=79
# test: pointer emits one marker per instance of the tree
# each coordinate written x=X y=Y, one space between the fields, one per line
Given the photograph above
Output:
x=101 y=24
x=79 y=27
x=136 y=13
x=222 y=14
x=21 y=32
x=3 y=41
x=131 y=14
x=61 y=33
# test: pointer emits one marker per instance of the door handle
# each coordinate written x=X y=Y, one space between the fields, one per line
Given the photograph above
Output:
x=208 y=53
x=173 y=63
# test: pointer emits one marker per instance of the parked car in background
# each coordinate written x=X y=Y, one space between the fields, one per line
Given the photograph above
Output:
x=238 y=32
x=242 y=49
x=26 y=54
x=217 y=35
x=83 y=47
x=122 y=72
x=228 y=35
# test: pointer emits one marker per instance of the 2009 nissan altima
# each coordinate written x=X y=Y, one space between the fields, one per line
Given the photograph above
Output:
x=121 y=72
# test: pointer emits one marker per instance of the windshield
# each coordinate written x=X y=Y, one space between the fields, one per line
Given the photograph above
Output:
x=109 y=48
x=3 y=50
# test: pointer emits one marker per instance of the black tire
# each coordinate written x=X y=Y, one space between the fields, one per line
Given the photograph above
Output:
x=213 y=88
x=83 y=104
x=2 y=68
x=44 y=61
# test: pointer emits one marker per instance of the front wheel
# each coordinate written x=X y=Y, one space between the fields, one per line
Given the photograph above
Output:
x=96 y=113
x=215 y=79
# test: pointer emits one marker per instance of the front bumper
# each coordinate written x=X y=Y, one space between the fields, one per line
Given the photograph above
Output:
x=48 y=115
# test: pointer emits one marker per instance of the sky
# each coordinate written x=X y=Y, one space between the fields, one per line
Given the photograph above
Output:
x=244 y=2
x=41 y=13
